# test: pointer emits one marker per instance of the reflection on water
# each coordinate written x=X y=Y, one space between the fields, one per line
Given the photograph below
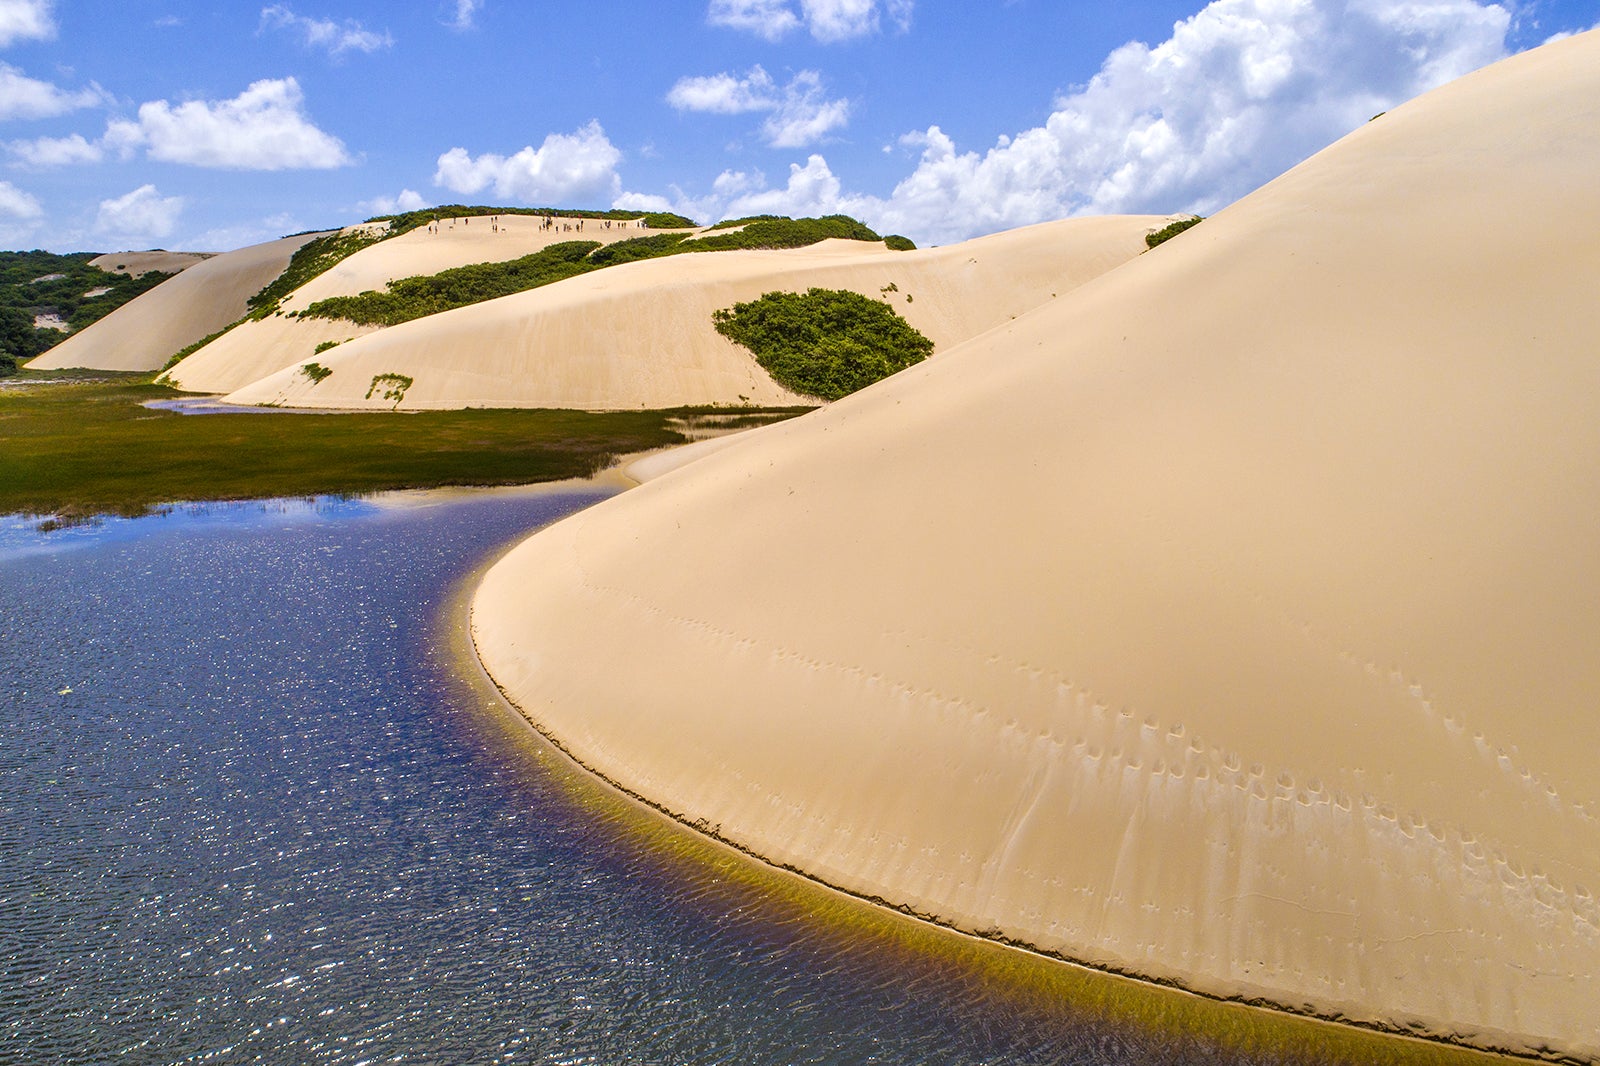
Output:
x=252 y=809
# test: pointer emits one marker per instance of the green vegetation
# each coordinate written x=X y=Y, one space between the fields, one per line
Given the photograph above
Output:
x=315 y=257
x=89 y=447
x=324 y=346
x=897 y=243
x=409 y=298
x=316 y=372
x=406 y=299
x=825 y=343
x=394 y=387
x=183 y=353
x=1166 y=233
x=36 y=283
x=770 y=232
x=410 y=220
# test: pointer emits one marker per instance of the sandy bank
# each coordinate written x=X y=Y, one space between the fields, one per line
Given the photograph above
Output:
x=144 y=333
x=641 y=334
x=1230 y=621
x=136 y=263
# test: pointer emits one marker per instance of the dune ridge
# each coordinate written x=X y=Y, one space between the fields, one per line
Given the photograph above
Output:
x=641 y=334
x=205 y=297
x=1229 y=622
x=260 y=348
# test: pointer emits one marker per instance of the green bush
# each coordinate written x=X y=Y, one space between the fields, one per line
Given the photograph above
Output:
x=394 y=386
x=657 y=244
x=44 y=283
x=8 y=364
x=897 y=243
x=1166 y=233
x=324 y=346
x=825 y=343
x=766 y=232
x=319 y=373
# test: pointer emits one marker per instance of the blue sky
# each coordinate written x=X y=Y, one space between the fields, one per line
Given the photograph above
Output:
x=211 y=125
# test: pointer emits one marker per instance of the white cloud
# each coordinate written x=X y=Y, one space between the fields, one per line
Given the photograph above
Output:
x=723 y=94
x=1242 y=91
x=263 y=128
x=56 y=151
x=227 y=238
x=26 y=20
x=581 y=164
x=829 y=21
x=142 y=213
x=466 y=12
x=18 y=204
x=25 y=97
x=407 y=200
x=336 y=38
x=799 y=113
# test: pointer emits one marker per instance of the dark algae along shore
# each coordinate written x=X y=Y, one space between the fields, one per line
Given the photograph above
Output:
x=256 y=807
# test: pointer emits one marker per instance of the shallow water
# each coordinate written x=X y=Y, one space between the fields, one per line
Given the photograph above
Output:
x=253 y=809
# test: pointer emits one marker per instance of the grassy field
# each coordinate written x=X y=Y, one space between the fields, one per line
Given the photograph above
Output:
x=86 y=446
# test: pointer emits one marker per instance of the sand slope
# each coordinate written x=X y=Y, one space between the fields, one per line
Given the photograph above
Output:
x=641 y=334
x=144 y=333
x=257 y=349
x=136 y=263
x=1232 y=621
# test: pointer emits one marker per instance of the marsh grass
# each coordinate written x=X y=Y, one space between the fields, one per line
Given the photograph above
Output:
x=88 y=447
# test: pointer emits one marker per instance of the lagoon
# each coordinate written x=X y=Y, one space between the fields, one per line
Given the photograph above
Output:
x=255 y=806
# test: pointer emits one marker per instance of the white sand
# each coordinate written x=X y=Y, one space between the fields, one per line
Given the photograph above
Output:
x=258 y=349
x=144 y=333
x=136 y=263
x=1232 y=621
x=641 y=334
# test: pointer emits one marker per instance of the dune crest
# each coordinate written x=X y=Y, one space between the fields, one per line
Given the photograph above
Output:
x=260 y=348
x=207 y=296
x=641 y=334
x=1230 y=621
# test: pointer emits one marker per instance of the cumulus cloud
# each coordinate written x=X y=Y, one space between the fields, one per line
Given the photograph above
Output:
x=798 y=114
x=1241 y=91
x=405 y=200
x=26 y=20
x=582 y=164
x=142 y=213
x=25 y=97
x=56 y=151
x=263 y=128
x=829 y=21
x=18 y=204
x=336 y=38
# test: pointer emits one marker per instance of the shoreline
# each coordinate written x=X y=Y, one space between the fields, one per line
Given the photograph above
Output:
x=1404 y=1041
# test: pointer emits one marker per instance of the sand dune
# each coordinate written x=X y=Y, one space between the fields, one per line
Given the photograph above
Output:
x=1232 y=621
x=641 y=335
x=256 y=349
x=144 y=333
x=136 y=263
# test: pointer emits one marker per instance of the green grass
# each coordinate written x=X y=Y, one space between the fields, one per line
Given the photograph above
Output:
x=825 y=343
x=89 y=448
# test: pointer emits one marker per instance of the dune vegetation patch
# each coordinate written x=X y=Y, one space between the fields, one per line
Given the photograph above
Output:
x=1171 y=230
x=825 y=343
x=405 y=299
x=85 y=446
x=38 y=287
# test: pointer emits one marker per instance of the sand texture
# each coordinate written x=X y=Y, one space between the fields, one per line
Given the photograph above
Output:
x=1232 y=621
x=136 y=263
x=258 y=349
x=641 y=334
x=144 y=333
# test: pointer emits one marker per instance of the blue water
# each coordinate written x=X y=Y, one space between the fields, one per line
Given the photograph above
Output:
x=253 y=810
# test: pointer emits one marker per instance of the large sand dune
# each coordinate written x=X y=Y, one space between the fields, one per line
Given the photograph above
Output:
x=641 y=334
x=1234 y=621
x=136 y=263
x=257 y=349
x=144 y=333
